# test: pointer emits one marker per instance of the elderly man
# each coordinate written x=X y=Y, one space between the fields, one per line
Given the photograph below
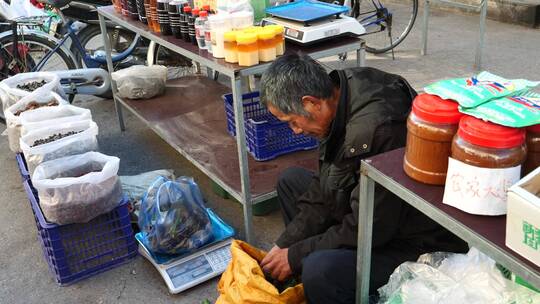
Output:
x=355 y=113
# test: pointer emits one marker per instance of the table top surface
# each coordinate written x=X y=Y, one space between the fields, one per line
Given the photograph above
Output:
x=317 y=50
x=490 y=228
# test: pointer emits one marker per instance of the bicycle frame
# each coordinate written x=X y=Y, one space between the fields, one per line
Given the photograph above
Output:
x=90 y=60
x=380 y=12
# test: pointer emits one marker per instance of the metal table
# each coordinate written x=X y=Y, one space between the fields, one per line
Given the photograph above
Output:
x=190 y=116
x=483 y=232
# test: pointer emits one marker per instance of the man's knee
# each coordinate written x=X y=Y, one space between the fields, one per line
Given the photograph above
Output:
x=314 y=271
x=286 y=178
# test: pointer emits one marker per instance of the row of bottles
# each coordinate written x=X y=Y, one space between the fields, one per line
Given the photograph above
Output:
x=229 y=36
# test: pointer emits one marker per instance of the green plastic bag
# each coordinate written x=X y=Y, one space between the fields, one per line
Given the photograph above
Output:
x=473 y=91
x=516 y=111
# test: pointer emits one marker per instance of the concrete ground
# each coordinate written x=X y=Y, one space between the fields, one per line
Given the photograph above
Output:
x=510 y=51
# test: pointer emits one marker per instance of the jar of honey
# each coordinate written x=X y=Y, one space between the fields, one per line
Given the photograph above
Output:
x=266 y=44
x=431 y=125
x=279 y=38
x=487 y=145
x=231 y=47
x=248 y=50
x=533 y=149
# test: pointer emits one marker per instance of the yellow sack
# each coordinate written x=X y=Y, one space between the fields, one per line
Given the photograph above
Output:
x=243 y=281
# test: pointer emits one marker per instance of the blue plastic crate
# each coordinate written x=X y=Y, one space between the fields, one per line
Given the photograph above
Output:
x=23 y=169
x=266 y=136
x=77 y=251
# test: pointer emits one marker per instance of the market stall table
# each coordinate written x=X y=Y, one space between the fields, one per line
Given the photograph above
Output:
x=486 y=233
x=196 y=126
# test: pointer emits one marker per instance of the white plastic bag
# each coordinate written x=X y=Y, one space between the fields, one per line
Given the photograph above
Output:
x=141 y=82
x=76 y=189
x=233 y=6
x=19 y=8
x=10 y=94
x=13 y=120
x=444 y=278
x=50 y=116
x=84 y=141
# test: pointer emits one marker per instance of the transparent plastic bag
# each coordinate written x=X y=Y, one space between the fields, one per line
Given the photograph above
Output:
x=173 y=218
x=76 y=189
x=10 y=94
x=13 y=114
x=140 y=82
x=447 y=278
x=84 y=140
x=233 y=6
x=50 y=116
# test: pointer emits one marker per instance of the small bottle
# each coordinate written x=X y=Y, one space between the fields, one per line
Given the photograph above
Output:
x=191 y=25
x=208 y=36
x=279 y=39
x=163 y=17
x=154 y=16
x=199 y=29
x=148 y=14
x=174 y=18
x=184 y=26
x=266 y=44
x=231 y=47
x=248 y=51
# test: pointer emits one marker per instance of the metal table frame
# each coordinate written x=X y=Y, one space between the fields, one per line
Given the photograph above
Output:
x=236 y=76
x=368 y=176
x=482 y=8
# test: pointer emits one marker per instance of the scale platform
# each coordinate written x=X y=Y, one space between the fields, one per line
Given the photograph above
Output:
x=188 y=271
x=319 y=30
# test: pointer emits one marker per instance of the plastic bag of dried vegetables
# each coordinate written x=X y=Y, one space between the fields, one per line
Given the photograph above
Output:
x=173 y=217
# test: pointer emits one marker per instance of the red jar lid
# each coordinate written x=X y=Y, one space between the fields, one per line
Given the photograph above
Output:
x=432 y=108
x=535 y=128
x=487 y=134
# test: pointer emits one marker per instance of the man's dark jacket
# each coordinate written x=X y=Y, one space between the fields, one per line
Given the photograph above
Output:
x=370 y=119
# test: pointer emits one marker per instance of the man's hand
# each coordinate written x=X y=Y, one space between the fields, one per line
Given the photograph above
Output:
x=276 y=263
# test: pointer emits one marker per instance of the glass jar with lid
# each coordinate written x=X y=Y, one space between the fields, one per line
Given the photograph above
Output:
x=431 y=126
x=487 y=145
x=248 y=50
x=266 y=44
x=533 y=149
x=231 y=47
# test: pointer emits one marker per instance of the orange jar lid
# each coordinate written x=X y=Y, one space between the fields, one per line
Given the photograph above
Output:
x=487 y=134
x=432 y=108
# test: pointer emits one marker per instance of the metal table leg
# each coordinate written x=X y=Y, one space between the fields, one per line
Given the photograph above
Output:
x=361 y=55
x=480 y=46
x=236 y=84
x=110 y=68
x=423 y=51
x=365 y=230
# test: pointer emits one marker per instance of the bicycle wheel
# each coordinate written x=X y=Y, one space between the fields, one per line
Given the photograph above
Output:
x=178 y=65
x=31 y=48
x=92 y=41
x=387 y=22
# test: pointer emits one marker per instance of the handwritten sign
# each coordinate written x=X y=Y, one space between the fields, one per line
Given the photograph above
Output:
x=478 y=190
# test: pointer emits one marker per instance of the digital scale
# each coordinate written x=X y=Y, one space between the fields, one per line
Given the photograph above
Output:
x=309 y=21
x=187 y=271
x=184 y=271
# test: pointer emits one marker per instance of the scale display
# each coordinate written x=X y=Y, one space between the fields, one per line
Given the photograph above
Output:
x=188 y=271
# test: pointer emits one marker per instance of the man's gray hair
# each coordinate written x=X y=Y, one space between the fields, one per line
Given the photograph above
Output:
x=292 y=77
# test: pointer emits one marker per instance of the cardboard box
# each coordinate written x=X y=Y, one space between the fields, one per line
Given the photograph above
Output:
x=523 y=217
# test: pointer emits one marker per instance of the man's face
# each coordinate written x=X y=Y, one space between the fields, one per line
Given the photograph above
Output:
x=315 y=124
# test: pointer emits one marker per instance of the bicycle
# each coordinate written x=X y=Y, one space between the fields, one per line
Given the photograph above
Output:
x=387 y=24
x=38 y=51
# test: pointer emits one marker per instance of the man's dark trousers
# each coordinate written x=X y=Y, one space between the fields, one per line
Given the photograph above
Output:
x=329 y=276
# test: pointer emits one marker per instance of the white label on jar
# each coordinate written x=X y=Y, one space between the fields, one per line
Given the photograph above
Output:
x=478 y=190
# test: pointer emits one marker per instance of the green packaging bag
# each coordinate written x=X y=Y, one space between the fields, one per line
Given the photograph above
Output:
x=473 y=91
x=513 y=111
